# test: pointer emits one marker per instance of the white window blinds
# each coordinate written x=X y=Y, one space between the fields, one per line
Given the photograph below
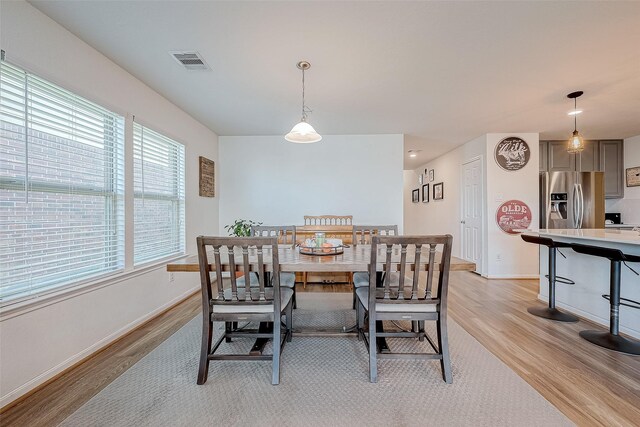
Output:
x=61 y=187
x=159 y=196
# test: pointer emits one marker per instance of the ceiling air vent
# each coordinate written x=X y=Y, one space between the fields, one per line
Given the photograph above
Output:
x=190 y=60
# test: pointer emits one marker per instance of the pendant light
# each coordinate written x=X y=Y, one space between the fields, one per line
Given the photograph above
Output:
x=303 y=132
x=575 y=143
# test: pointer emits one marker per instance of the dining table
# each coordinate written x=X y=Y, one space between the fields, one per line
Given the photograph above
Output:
x=354 y=258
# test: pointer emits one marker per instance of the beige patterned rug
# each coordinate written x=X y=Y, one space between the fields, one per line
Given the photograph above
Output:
x=324 y=382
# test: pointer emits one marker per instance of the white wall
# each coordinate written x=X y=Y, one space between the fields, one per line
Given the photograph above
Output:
x=629 y=206
x=517 y=258
x=436 y=217
x=42 y=340
x=267 y=179
x=441 y=216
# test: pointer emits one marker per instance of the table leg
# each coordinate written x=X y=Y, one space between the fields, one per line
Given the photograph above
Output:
x=258 y=346
x=381 y=342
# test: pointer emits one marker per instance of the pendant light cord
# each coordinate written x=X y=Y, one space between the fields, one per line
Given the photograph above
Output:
x=575 y=108
x=304 y=113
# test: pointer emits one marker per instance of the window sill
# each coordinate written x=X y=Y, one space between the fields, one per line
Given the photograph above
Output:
x=16 y=308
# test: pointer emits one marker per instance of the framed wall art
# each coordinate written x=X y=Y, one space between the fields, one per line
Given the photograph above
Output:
x=415 y=196
x=633 y=177
x=432 y=175
x=425 y=193
x=438 y=191
x=207 y=174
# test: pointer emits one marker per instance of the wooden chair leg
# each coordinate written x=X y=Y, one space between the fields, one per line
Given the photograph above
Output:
x=289 y=321
x=373 y=350
x=227 y=329
x=275 y=380
x=207 y=331
x=304 y=280
x=443 y=346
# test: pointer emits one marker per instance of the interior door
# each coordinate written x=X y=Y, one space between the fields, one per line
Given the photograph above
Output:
x=472 y=212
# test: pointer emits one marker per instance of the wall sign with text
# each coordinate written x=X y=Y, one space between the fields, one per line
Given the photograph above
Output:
x=513 y=215
x=512 y=153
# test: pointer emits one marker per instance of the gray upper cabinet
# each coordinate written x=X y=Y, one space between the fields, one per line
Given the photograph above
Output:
x=604 y=156
x=612 y=164
x=543 y=156
x=588 y=159
x=559 y=160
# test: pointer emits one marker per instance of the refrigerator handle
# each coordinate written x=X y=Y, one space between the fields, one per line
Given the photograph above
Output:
x=576 y=209
x=581 y=196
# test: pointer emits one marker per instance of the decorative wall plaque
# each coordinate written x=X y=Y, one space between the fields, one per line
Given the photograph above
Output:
x=513 y=215
x=633 y=177
x=207 y=177
x=512 y=153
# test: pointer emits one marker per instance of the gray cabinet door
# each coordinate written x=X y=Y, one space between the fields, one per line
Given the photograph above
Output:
x=612 y=164
x=588 y=158
x=559 y=159
x=544 y=155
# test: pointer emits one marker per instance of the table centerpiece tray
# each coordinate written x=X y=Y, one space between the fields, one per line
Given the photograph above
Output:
x=322 y=250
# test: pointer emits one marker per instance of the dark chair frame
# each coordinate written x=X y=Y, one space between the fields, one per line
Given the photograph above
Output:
x=262 y=295
x=281 y=232
x=384 y=293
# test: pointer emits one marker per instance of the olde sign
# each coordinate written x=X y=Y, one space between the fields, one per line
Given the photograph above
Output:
x=513 y=215
x=512 y=153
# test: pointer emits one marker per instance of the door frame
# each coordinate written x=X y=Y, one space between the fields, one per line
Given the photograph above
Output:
x=480 y=269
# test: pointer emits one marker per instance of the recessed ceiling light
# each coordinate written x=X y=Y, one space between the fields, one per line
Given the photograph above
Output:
x=574 y=112
x=413 y=153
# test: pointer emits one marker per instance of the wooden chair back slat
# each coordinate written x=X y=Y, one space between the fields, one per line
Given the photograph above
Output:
x=362 y=233
x=403 y=267
x=393 y=290
x=252 y=251
x=328 y=220
x=286 y=234
x=432 y=260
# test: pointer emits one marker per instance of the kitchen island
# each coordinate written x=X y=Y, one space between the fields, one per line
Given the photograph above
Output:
x=591 y=275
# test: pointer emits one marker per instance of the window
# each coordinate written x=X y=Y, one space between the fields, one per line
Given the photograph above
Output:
x=61 y=187
x=158 y=184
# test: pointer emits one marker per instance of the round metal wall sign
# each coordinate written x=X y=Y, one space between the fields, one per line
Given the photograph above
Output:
x=513 y=215
x=512 y=153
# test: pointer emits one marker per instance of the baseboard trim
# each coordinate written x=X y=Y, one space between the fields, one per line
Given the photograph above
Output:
x=513 y=276
x=588 y=316
x=19 y=394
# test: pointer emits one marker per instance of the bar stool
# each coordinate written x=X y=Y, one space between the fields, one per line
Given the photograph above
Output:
x=551 y=312
x=612 y=340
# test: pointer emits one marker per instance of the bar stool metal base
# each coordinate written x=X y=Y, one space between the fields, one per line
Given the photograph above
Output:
x=552 y=314
x=612 y=342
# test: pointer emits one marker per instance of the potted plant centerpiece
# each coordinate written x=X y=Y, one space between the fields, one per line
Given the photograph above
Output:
x=241 y=228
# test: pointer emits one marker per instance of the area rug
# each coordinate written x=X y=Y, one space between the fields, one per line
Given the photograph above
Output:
x=324 y=382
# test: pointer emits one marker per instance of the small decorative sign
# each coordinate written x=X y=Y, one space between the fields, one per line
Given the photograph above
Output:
x=513 y=215
x=207 y=177
x=512 y=153
x=633 y=177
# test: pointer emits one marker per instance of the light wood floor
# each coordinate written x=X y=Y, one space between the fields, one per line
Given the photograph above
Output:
x=591 y=386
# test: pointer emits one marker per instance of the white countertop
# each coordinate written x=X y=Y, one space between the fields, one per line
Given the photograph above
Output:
x=605 y=235
x=621 y=225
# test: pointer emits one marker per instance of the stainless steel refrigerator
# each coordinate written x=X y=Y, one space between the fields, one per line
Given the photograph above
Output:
x=572 y=200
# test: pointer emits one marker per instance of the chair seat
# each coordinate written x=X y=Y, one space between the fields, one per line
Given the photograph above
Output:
x=363 y=296
x=362 y=279
x=287 y=280
x=285 y=298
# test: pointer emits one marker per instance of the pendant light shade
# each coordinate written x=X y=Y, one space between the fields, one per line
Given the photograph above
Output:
x=576 y=142
x=303 y=132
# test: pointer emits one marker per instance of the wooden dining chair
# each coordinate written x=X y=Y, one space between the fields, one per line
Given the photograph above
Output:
x=286 y=235
x=235 y=303
x=395 y=299
x=362 y=235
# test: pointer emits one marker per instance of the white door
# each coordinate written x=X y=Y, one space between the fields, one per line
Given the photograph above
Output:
x=472 y=212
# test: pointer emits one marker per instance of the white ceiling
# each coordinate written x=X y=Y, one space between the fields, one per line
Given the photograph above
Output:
x=442 y=73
